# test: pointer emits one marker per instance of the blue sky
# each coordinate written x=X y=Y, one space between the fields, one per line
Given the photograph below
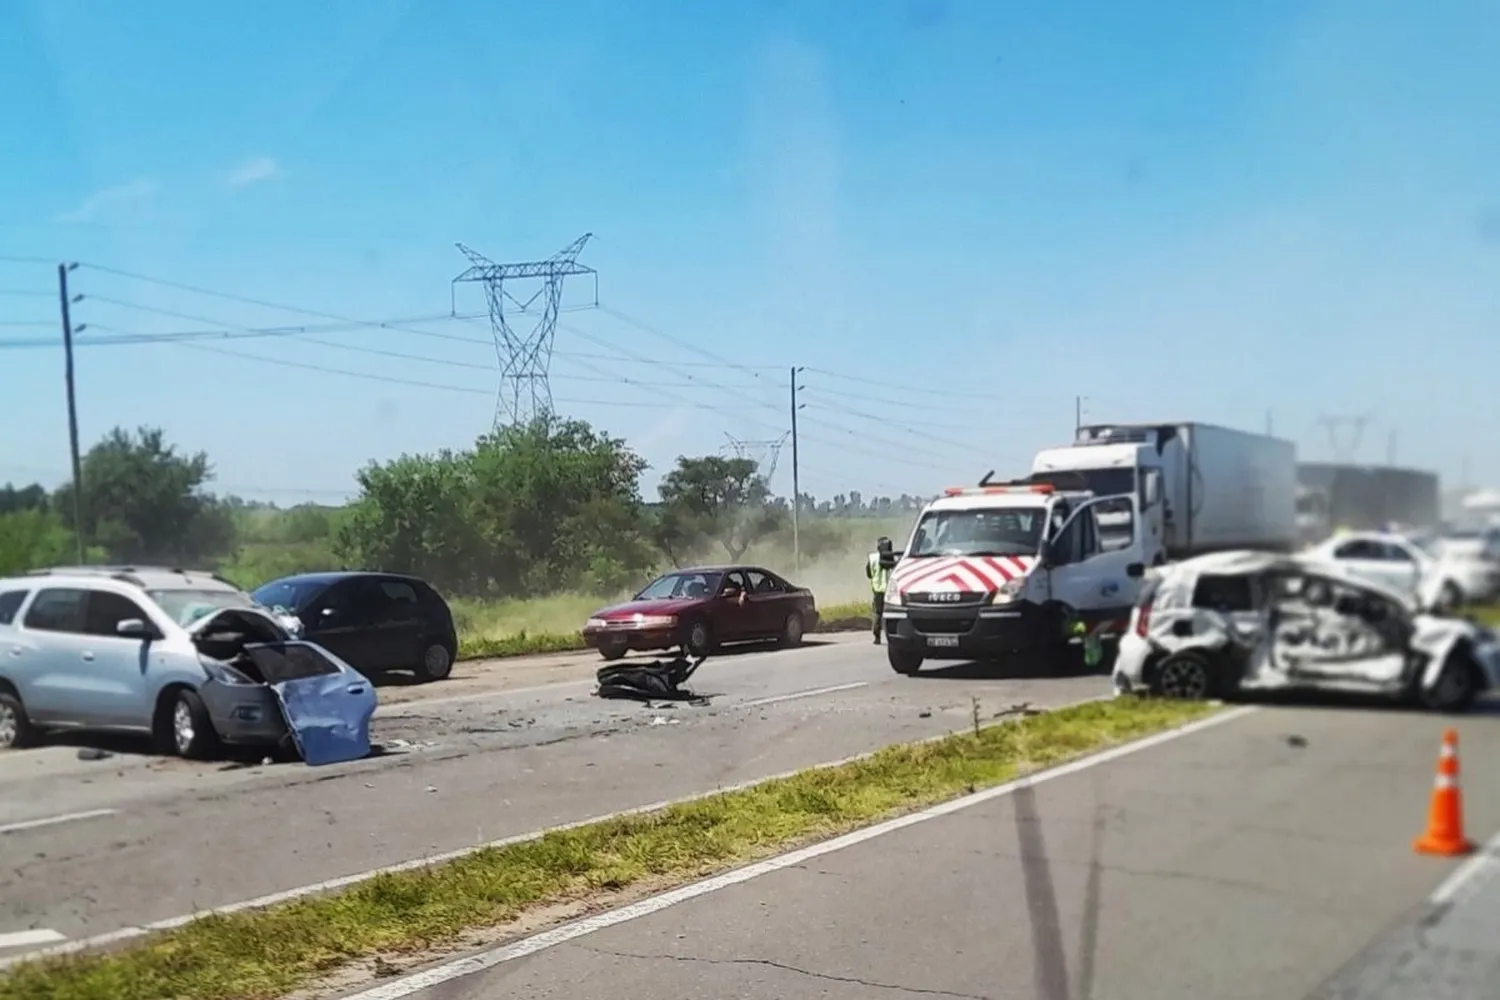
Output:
x=1230 y=211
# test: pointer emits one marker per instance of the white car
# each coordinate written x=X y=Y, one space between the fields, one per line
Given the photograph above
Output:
x=1433 y=580
x=1246 y=621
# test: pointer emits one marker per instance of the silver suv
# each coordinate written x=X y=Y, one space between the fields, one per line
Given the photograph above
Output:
x=186 y=657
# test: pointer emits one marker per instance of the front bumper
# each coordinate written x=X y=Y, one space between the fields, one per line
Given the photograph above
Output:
x=610 y=639
x=973 y=632
x=244 y=714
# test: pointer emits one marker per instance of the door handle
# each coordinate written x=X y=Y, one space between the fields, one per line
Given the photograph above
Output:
x=15 y=651
x=356 y=689
x=88 y=656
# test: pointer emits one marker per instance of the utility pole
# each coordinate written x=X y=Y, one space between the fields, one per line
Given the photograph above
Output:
x=1270 y=426
x=1390 y=450
x=796 y=479
x=67 y=332
x=1078 y=413
x=1333 y=423
x=525 y=359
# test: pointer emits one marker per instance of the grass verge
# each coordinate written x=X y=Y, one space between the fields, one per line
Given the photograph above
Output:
x=516 y=628
x=269 y=953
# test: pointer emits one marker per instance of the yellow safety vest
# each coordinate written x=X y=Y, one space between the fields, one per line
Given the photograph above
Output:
x=880 y=576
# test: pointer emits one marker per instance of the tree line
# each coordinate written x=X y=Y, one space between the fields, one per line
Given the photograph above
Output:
x=555 y=505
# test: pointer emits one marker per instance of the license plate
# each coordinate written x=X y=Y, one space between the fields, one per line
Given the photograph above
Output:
x=942 y=640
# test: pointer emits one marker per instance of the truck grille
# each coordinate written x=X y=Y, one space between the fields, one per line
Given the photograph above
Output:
x=942 y=626
x=947 y=598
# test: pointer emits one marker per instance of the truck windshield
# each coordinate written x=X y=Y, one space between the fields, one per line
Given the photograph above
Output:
x=1108 y=482
x=1015 y=531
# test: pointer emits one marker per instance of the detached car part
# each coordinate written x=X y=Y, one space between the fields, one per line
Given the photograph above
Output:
x=659 y=679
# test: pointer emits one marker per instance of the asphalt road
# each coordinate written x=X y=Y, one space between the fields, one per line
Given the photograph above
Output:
x=1236 y=862
x=91 y=846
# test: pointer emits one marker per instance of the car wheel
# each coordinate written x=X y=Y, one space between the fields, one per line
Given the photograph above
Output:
x=1188 y=676
x=16 y=730
x=613 y=651
x=791 y=632
x=903 y=661
x=190 y=731
x=1457 y=686
x=437 y=662
x=1450 y=598
x=700 y=640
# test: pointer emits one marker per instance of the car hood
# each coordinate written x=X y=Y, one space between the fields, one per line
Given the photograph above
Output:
x=663 y=606
x=283 y=624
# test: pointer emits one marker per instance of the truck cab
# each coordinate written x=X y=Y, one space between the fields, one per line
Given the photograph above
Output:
x=1106 y=462
x=996 y=569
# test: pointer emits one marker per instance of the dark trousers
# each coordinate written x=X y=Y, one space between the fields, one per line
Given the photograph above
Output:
x=877 y=607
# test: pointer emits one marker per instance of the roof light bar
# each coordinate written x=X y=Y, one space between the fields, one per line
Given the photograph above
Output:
x=974 y=491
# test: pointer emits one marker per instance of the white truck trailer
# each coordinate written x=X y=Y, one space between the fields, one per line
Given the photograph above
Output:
x=1200 y=488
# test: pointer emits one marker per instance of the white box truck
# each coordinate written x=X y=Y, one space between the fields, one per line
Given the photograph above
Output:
x=1199 y=487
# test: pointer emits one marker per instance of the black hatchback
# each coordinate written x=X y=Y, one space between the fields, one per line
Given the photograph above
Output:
x=375 y=622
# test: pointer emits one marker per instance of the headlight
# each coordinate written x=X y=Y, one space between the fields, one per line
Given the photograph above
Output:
x=1008 y=591
x=892 y=597
x=654 y=621
x=595 y=623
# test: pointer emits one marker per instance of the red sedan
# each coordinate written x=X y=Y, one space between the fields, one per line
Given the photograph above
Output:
x=699 y=609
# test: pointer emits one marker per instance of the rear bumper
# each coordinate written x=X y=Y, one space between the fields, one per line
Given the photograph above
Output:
x=968 y=633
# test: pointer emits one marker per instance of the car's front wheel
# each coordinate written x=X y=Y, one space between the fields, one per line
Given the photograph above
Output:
x=437 y=662
x=1457 y=686
x=700 y=639
x=186 y=729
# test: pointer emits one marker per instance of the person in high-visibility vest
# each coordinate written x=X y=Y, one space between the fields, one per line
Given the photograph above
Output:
x=878 y=569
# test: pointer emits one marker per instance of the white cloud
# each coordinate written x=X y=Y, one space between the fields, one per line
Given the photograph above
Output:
x=90 y=207
x=262 y=168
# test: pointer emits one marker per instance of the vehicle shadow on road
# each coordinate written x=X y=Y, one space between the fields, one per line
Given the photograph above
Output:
x=1018 y=667
x=1487 y=705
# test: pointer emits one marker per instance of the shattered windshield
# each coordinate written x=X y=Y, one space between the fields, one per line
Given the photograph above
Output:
x=186 y=606
x=1008 y=531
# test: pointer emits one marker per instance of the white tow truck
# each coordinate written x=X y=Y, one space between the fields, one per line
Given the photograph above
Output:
x=1031 y=564
x=1021 y=566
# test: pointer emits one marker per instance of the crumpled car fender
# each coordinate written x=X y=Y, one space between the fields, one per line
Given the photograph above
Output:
x=1437 y=637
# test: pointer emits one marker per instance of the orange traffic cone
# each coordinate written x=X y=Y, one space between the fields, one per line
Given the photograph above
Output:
x=1445 y=816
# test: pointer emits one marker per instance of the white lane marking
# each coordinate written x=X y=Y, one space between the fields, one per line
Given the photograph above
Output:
x=398 y=988
x=25 y=939
x=1470 y=876
x=774 y=699
x=345 y=881
x=34 y=824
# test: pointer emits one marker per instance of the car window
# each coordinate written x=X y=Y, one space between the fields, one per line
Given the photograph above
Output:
x=10 y=603
x=105 y=611
x=357 y=600
x=761 y=583
x=1224 y=594
x=1397 y=553
x=1358 y=549
x=400 y=592
x=734 y=579
x=58 y=609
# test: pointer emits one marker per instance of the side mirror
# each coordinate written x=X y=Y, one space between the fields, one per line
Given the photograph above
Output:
x=134 y=628
x=1047 y=552
x=1135 y=570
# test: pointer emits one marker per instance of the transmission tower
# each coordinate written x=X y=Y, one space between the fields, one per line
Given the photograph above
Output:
x=525 y=357
x=765 y=454
x=1357 y=422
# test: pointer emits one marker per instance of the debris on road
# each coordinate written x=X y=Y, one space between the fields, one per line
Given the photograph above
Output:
x=659 y=679
x=94 y=753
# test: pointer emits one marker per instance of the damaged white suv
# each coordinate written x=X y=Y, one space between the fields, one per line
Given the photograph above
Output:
x=1219 y=624
x=185 y=657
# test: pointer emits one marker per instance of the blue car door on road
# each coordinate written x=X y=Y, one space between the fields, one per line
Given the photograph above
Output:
x=327 y=708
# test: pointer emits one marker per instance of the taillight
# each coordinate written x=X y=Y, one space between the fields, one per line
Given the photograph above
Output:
x=1142 y=620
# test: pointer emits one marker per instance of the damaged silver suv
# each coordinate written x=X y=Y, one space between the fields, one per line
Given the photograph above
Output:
x=187 y=658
